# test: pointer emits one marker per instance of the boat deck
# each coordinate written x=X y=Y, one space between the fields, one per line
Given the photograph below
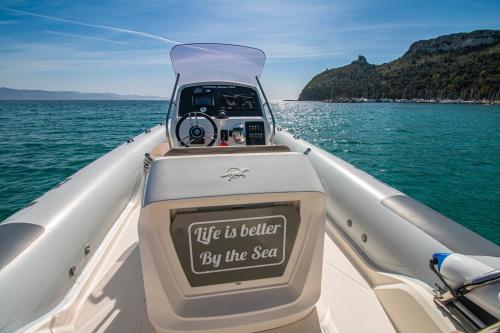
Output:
x=109 y=294
x=117 y=303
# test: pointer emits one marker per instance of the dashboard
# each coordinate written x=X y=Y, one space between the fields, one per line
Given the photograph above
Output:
x=236 y=101
x=233 y=112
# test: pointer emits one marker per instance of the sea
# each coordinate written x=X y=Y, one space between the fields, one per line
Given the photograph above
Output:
x=444 y=155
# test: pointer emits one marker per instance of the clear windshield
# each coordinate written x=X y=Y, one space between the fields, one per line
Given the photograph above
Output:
x=217 y=62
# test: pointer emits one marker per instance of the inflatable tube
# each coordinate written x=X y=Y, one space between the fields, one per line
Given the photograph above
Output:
x=45 y=246
x=392 y=231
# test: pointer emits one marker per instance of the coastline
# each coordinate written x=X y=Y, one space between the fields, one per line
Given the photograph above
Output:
x=412 y=100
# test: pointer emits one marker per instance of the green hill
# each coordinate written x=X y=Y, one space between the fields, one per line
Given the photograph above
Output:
x=457 y=66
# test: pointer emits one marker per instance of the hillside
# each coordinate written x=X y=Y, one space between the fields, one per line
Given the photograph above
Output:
x=457 y=66
x=18 y=94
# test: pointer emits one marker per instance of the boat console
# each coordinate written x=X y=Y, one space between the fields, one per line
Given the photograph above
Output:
x=231 y=227
x=231 y=241
x=219 y=114
x=217 y=99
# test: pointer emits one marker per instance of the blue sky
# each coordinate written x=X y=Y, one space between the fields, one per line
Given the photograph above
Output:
x=123 y=46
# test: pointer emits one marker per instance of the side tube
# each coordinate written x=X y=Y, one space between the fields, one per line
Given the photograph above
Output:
x=45 y=247
x=396 y=233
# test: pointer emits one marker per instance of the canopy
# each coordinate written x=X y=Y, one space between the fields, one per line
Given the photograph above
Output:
x=217 y=62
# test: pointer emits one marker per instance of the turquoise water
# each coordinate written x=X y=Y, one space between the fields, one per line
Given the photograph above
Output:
x=446 y=156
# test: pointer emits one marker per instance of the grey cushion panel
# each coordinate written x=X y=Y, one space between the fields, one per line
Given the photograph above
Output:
x=449 y=233
x=200 y=176
x=227 y=150
x=14 y=238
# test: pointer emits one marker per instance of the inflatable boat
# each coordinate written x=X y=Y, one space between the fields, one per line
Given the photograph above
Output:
x=218 y=220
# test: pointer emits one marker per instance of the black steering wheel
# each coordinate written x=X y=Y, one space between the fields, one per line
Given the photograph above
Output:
x=196 y=132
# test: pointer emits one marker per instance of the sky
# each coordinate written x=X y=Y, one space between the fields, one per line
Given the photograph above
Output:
x=123 y=46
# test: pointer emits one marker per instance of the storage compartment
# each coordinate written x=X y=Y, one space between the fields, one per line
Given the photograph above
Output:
x=237 y=235
x=234 y=245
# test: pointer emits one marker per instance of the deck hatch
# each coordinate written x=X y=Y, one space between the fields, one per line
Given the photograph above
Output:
x=234 y=245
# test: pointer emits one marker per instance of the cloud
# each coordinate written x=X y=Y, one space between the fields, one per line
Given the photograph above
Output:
x=384 y=26
x=35 y=58
x=89 y=38
x=303 y=55
x=98 y=26
x=5 y=22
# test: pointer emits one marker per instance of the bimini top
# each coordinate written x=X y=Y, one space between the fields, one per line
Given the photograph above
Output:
x=205 y=62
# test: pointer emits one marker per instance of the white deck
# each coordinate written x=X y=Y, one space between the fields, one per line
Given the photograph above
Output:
x=109 y=297
x=117 y=304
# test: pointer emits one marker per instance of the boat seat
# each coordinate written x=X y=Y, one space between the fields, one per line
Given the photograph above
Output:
x=227 y=150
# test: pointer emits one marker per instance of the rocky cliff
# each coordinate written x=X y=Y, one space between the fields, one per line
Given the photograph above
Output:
x=456 y=66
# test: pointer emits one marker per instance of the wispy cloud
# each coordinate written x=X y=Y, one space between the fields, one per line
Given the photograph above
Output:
x=303 y=55
x=88 y=37
x=18 y=57
x=409 y=25
x=384 y=26
x=97 y=26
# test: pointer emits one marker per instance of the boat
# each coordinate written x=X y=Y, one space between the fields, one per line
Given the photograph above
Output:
x=218 y=220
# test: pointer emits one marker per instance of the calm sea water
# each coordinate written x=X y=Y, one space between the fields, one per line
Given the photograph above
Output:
x=446 y=156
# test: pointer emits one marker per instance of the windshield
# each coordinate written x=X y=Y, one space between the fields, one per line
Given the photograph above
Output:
x=217 y=62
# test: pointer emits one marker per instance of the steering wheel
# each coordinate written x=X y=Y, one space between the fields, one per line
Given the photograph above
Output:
x=196 y=132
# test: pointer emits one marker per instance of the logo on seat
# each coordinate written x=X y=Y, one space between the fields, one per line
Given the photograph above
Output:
x=235 y=173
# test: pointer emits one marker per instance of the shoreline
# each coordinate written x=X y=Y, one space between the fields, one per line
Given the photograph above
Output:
x=413 y=100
